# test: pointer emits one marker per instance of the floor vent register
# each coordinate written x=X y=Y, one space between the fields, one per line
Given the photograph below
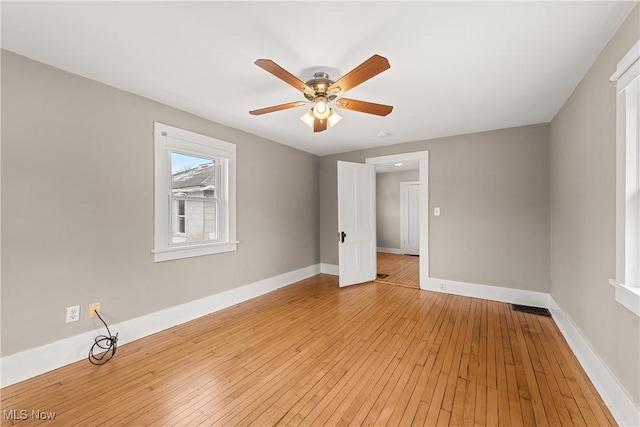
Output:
x=532 y=310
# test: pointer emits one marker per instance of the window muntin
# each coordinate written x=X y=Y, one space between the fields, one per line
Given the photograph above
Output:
x=194 y=194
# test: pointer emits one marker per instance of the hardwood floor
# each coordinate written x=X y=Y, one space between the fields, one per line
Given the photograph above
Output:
x=316 y=354
x=401 y=269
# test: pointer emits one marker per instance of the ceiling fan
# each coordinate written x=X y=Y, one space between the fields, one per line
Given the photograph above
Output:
x=323 y=92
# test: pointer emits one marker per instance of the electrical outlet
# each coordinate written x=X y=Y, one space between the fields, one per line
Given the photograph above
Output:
x=443 y=286
x=73 y=313
x=93 y=308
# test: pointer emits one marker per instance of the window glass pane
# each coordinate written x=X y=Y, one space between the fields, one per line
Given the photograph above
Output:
x=192 y=176
x=197 y=223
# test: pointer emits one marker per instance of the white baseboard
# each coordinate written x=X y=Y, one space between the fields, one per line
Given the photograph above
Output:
x=494 y=293
x=329 y=269
x=30 y=363
x=390 y=250
x=27 y=364
x=622 y=407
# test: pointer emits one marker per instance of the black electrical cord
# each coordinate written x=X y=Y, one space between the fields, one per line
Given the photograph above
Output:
x=108 y=344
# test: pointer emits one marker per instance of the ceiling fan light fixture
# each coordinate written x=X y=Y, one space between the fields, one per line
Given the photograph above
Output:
x=321 y=110
x=321 y=91
x=308 y=118
x=333 y=118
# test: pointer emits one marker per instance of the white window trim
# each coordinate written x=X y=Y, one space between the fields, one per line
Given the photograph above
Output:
x=167 y=139
x=627 y=291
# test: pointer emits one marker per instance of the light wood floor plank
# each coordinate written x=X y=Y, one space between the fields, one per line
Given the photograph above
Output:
x=316 y=354
x=492 y=407
x=529 y=355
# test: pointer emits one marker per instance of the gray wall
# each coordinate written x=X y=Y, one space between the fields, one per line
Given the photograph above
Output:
x=77 y=207
x=583 y=212
x=493 y=191
x=388 y=206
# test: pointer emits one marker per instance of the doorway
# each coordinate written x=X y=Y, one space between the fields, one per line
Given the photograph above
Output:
x=396 y=263
x=397 y=224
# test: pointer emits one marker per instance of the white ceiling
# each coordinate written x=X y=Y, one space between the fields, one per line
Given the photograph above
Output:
x=456 y=67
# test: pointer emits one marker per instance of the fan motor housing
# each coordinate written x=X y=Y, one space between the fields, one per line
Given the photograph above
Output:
x=320 y=83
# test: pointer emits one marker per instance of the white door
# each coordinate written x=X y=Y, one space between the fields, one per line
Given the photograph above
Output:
x=410 y=218
x=356 y=223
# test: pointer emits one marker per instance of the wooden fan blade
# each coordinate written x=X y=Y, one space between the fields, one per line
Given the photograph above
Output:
x=319 y=125
x=273 y=68
x=364 y=107
x=363 y=72
x=277 y=108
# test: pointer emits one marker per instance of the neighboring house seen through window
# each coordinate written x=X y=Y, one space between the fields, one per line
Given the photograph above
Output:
x=194 y=194
x=627 y=281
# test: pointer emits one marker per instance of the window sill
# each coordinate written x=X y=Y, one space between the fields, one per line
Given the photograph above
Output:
x=629 y=296
x=180 y=252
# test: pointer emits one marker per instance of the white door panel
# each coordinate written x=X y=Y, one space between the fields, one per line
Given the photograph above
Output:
x=410 y=218
x=356 y=222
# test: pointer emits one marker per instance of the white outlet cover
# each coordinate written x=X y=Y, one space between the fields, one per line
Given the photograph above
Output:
x=73 y=313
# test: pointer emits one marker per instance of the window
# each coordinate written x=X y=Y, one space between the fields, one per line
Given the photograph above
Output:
x=194 y=194
x=627 y=281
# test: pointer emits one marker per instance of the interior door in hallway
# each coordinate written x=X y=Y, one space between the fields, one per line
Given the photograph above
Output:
x=410 y=218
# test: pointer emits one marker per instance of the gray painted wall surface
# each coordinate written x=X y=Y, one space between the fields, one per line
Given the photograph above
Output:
x=388 y=206
x=77 y=207
x=583 y=190
x=493 y=191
